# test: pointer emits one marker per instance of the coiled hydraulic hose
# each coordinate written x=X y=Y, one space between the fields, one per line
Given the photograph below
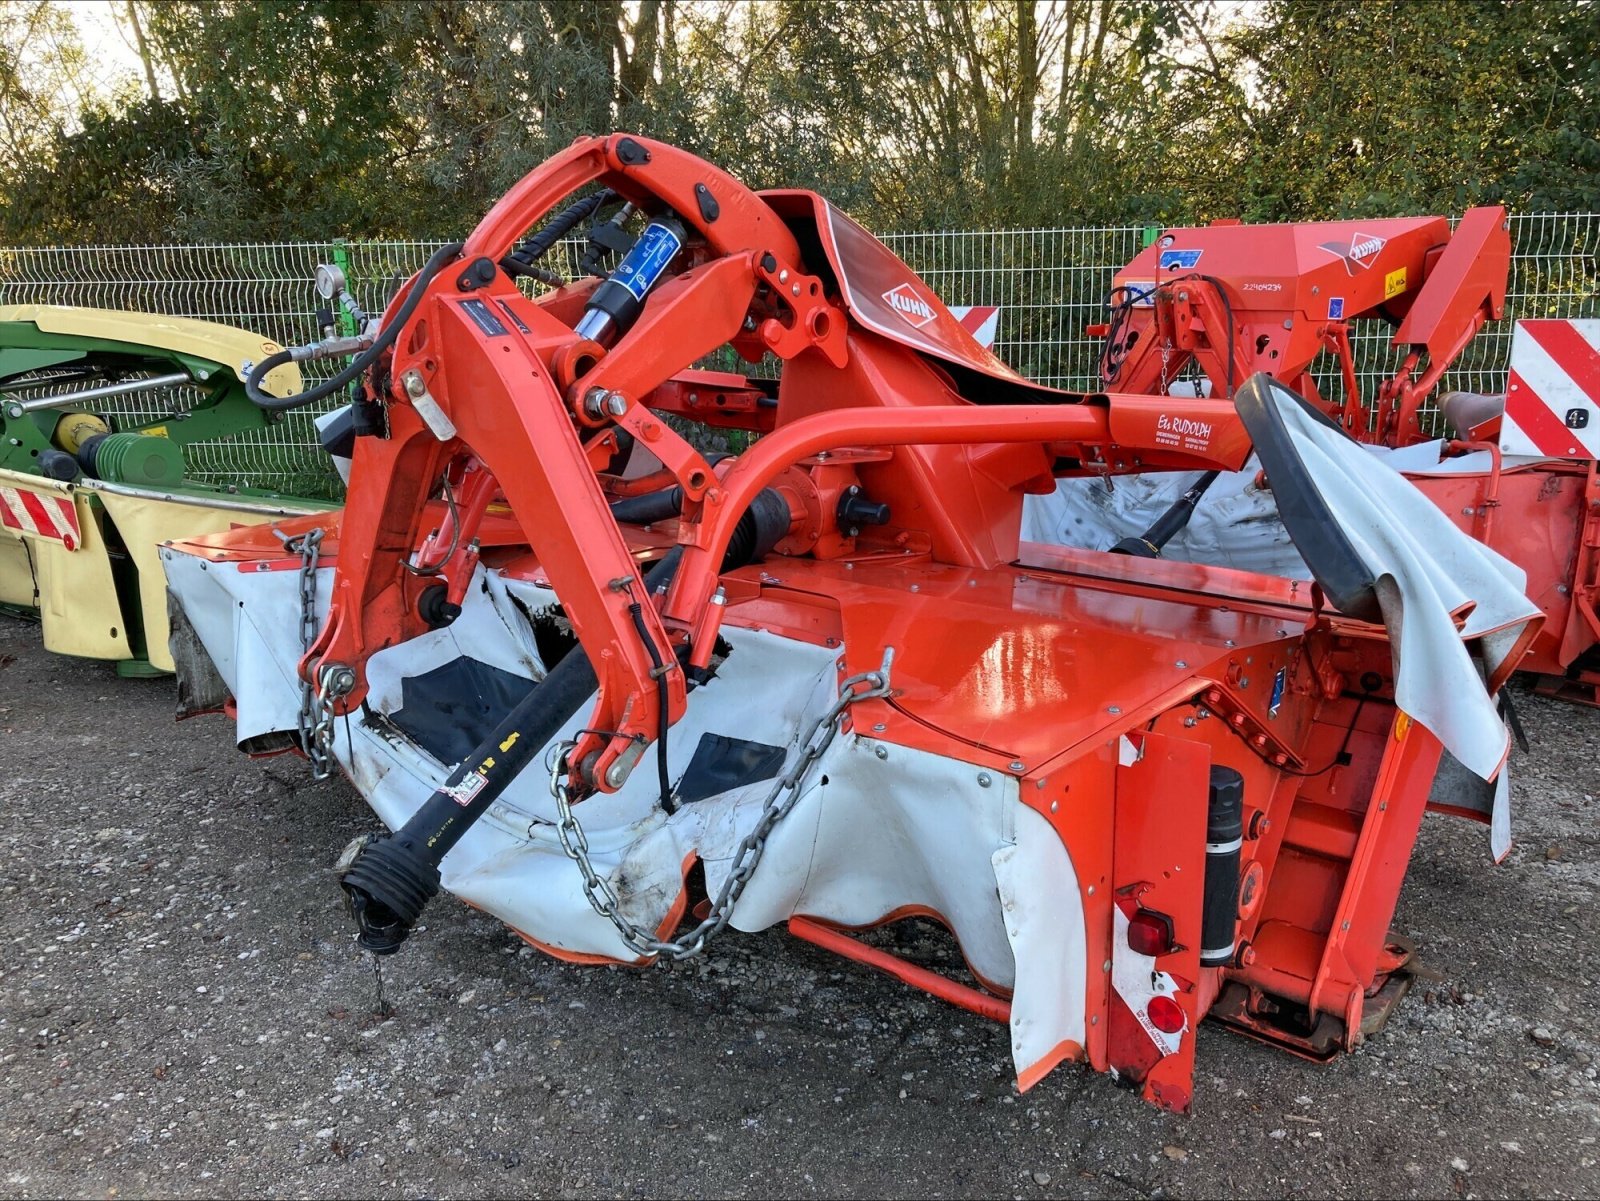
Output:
x=521 y=260
x=278 y=404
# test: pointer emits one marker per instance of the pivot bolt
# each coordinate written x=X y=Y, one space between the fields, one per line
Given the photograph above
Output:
x=616 y=403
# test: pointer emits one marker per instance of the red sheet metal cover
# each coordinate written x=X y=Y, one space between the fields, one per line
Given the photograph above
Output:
x=886 y=296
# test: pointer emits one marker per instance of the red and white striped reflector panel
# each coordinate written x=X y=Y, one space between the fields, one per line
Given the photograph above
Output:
x=1553 y=390
x=981 y=321
x=48 y=516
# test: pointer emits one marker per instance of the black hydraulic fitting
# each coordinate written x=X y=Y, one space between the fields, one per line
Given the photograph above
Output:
x=856 y=509
x=435 y=608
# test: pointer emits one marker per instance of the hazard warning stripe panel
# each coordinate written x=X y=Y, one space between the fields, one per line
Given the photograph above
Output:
x=53 y=517
x=1553 y=390
x=982 y=321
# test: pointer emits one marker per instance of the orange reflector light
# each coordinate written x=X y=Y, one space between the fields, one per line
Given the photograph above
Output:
x=1165 y=1015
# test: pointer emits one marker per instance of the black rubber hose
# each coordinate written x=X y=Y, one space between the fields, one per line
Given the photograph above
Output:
x=275 y=404
x=636 y=611
x=1149 y=544
x=521 y=260
x=656 y=506
x=652 y=506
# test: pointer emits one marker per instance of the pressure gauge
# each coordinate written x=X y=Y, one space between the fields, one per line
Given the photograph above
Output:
x=330 y=281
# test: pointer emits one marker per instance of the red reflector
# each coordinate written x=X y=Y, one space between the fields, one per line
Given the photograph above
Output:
x=1165 y=1015
x=1150 y=933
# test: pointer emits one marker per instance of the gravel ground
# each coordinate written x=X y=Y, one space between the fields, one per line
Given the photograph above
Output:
x=184 y=1014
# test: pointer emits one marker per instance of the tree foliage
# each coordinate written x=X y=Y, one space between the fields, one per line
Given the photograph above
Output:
x=315 y=118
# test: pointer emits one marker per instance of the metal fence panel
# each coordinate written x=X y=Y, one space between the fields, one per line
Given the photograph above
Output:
x=1049 y=284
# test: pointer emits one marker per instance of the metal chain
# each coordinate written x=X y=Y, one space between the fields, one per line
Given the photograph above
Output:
x=603 y=899
x=316 y=714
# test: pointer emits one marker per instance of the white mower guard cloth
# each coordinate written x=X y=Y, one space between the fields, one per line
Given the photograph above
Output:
x=869 y=836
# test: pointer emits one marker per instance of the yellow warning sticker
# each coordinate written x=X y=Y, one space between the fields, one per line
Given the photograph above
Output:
x=154 y=431
x=1394 y=283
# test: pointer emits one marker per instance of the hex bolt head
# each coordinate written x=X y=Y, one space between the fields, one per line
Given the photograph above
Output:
x=1016 y=765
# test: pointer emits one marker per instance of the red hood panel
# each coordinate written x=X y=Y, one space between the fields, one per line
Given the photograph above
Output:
x=886 y=296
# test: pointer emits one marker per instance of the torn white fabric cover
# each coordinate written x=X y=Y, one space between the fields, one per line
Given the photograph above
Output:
x=1235 y=525
x=1428 y=573
x=872 y=834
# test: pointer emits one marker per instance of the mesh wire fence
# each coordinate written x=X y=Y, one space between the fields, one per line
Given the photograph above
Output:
x=1048 y=283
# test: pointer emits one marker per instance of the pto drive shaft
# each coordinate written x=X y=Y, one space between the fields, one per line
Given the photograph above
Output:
x=389 y=879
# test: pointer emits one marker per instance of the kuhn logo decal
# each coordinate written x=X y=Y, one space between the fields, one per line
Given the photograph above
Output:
x=916 y=311
x=1360 y=252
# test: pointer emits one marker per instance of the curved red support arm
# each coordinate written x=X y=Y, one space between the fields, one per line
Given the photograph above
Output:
x=463 y=380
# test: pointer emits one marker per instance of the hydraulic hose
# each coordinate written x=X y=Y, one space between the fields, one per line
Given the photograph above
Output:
x=658 y=505
x=652 y=506
x=275 y=404
x=521 y=260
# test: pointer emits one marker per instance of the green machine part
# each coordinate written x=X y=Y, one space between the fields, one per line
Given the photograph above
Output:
x=119 y=396
x=126 y=366
x=129 y=458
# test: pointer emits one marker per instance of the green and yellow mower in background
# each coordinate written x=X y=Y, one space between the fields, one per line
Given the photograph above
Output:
x=103 y=418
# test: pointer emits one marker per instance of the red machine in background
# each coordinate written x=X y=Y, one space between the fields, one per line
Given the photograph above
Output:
x=1138 y=792
x=1224 y=301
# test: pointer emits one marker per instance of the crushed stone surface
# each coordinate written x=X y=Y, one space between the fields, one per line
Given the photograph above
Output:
x=183 y=1013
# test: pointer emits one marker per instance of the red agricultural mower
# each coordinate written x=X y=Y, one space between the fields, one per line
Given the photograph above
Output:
x=625 y=694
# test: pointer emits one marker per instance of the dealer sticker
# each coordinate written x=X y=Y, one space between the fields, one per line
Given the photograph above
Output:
x=463 y=790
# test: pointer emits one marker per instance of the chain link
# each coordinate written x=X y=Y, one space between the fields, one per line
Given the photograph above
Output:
x=603 y=898
x=316 y=710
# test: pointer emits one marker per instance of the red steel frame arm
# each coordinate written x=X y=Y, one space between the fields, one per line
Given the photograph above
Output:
x=707 y=539
x=498 y=393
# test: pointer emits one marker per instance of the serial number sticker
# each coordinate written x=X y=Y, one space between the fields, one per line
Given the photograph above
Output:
x=483 y=317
